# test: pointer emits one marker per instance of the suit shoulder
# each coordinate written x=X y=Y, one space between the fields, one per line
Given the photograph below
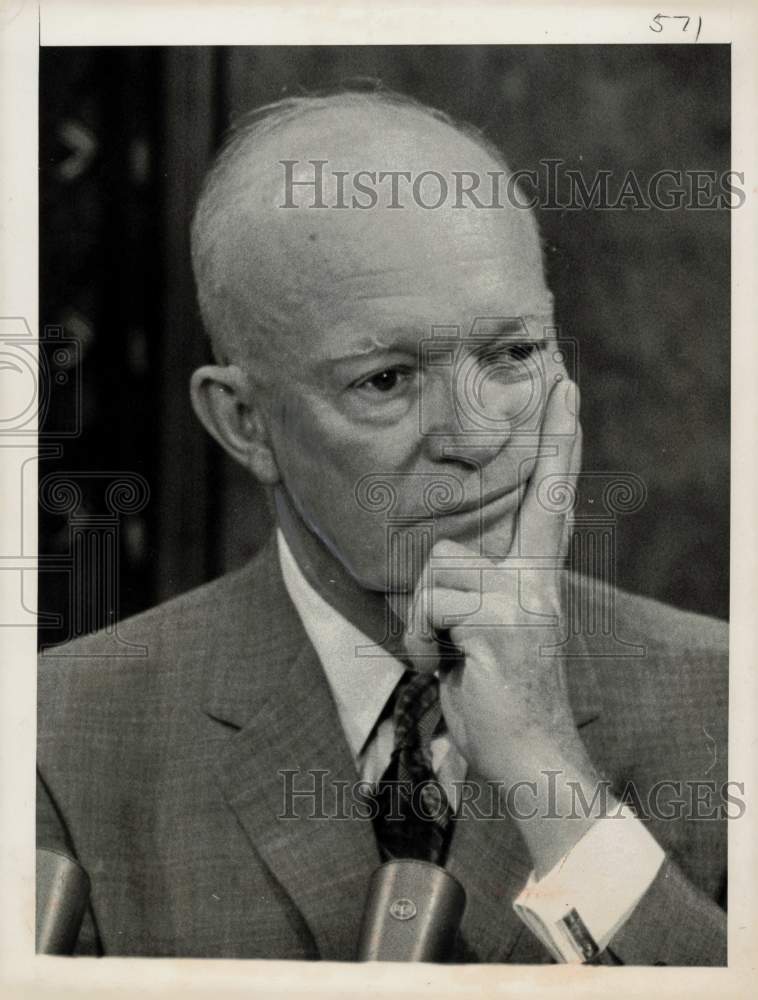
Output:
x=666 y=669
x=637 y=651
x=190 y=610
x=670 y=630
x=163 y=647
x=664 y=630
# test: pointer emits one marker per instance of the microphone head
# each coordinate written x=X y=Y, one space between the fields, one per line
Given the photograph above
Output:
x=62 y=893
x=413 y=912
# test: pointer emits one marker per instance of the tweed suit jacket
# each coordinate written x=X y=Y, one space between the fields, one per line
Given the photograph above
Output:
x=165 y=751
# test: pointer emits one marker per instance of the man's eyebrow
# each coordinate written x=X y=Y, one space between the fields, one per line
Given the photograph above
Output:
x=531 y=327
x=400 y=339
x=510 y=326
x=405 y=339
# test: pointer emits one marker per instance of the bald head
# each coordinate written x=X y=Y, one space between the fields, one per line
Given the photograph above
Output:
x=315 y=199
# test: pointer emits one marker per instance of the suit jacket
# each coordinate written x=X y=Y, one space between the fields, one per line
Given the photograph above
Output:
x=160 y=769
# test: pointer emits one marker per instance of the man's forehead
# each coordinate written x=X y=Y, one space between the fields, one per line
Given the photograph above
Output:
x=353 y=136
x=445 y=287
x=336 y=249
x=313 y=263
x=272 y=176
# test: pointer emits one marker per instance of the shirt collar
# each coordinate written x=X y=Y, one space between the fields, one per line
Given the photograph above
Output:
x=361 y=683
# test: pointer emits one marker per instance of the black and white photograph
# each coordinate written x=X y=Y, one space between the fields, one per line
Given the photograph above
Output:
x=378 y=434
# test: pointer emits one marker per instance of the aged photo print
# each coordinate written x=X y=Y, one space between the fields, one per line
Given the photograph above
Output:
x=374 y=435
x=409 y=266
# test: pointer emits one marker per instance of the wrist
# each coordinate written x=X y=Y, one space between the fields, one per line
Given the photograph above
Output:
x=534 y=753
x=555 y=806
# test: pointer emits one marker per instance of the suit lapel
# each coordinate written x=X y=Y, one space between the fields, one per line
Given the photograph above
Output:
x=290 y=737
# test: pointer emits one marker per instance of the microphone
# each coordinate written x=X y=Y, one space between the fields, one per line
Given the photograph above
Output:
x=63 y=889
x=412 y=914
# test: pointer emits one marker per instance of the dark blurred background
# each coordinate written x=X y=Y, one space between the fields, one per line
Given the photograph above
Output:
x=126 y=135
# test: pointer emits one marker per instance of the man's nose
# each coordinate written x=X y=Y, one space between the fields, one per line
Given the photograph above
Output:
x=462 y=430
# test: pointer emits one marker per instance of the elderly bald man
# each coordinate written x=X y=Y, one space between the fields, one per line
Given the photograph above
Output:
x=390 y=372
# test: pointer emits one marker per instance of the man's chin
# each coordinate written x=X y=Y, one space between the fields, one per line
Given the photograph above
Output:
x=487 y=532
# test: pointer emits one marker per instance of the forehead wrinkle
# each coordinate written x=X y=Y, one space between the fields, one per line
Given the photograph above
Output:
x=344 y=281
x=373 y=272
x=377 y=342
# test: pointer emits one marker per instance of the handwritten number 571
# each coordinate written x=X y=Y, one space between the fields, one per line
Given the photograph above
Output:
x=657 y=25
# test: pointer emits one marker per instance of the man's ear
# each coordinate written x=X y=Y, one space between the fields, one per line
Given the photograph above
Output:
x=224 y=404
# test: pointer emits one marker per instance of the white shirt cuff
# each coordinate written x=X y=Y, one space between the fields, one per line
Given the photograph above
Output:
x=583 y=901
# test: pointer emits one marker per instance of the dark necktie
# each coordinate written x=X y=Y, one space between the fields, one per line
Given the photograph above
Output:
x=414 y=818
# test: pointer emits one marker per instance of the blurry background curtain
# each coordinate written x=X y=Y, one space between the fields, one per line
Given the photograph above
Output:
x=126 y=135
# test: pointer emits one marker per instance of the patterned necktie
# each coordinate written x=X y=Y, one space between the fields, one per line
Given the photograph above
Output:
x=414 y=818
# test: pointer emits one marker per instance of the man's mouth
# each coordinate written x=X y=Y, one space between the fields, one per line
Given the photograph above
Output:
x=480 y=502
x=483 y=513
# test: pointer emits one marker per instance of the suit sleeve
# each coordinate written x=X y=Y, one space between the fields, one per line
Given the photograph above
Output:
x=673 y=924
x=681 y=919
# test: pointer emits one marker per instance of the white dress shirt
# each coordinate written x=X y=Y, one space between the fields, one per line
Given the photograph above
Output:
x=361 y=685
x=591 y=891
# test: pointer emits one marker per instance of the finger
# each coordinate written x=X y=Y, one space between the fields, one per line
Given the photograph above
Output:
x=435 y=611
x=575 y=467
x=541 y=520
x=456 y=567
x=453 y=566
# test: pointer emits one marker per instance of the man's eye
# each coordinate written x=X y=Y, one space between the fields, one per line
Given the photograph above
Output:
x=385 y=381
